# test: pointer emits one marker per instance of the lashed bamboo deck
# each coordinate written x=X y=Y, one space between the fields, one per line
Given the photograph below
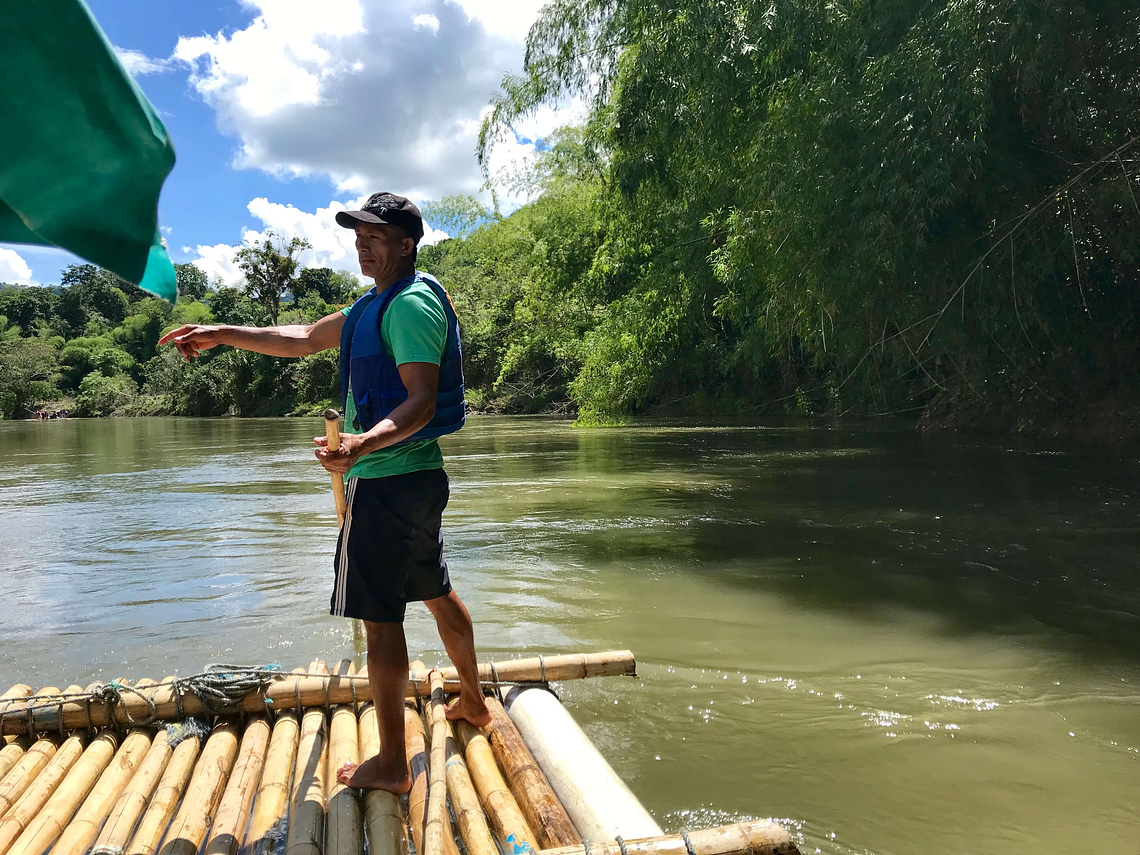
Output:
x=82 y=776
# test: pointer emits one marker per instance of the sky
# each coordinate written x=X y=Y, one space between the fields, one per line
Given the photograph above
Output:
x=283 y=112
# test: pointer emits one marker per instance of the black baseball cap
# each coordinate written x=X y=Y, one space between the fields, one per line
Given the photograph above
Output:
x=386 y=208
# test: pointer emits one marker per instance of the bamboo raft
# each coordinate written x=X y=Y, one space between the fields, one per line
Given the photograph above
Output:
x=243 y=762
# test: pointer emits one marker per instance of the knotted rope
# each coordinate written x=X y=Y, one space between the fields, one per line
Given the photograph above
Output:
x=219 y=688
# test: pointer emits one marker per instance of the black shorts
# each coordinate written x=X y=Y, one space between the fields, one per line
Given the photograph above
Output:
x=390 y=549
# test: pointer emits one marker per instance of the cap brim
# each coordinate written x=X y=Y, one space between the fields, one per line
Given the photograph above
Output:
x=349 y=219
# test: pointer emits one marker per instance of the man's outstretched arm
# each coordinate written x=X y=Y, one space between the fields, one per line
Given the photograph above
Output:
x=295 y=340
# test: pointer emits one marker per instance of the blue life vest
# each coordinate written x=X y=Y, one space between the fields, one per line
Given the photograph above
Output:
x=371 y=373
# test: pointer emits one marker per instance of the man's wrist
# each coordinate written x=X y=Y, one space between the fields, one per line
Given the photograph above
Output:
x=371 y=441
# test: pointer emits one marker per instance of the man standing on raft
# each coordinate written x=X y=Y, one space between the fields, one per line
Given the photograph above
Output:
x=402 y=381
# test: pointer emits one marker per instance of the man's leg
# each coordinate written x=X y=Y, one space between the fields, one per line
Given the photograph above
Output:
x=458 y=635
x=388 y=680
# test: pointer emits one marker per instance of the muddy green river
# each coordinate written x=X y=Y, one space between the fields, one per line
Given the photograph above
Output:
x=891 y=643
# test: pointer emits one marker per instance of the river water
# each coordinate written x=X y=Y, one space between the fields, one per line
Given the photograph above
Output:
x=892 y=643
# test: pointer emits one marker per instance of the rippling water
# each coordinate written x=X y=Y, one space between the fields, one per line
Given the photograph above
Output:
x=894 y=644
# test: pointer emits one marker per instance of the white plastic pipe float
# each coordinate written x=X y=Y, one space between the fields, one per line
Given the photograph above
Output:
x=597 y=800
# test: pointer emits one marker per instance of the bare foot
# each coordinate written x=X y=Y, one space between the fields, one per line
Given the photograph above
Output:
x=474 y=711
x=371 y=775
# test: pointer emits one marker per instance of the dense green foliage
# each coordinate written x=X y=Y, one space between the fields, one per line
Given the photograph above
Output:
x=866 y=207
x=859 y=206
x=90 y=347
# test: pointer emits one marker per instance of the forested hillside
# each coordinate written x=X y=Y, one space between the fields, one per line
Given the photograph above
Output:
x=929 y=209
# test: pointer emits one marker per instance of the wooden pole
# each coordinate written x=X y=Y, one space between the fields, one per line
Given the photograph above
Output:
x=24 y=772
x=233 y=811
x=116 y=833
x=465 y=802
x=416 y=751
x=544 y=813
x=383 y=817
x=11 y=751
x=166 y=797
x=49 y=822
x=498 y=801
x=332 y=432
x=81 y=832
x=270 y=805
x=9 y=756
x=437 y=772
x=598 y=801
x=745 y=838
x=345 y=834
x=20 y=690
x=307 y=812
x=312 y=691
x=188 y=828
x=38 y=792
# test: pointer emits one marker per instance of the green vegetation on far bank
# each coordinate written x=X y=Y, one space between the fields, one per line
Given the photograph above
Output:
x=858 y=208
x=90 y=346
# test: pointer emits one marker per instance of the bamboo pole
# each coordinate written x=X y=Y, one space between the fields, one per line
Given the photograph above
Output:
x=284 y=692
x=81 y=832
x=415 y=747
x=745 y=838
x=384 y=819
x=465 y=802
x=233 y=811
x=416 y=752
x=437 y=773
x=38 y=792
x=270 y=804
x=498 y=801
x=131 y=803
x=20 y=690
x=49 y=822
x=12 y=753
x=544 y=813
x=165 y=799
x=345 y=831
x=24 y=772
x=9 y=756
x=332 y=433
x=188 y=828
x=307 y=812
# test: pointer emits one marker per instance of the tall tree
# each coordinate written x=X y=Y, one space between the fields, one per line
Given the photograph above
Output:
x=192 y=281
x=270 y=268
x=332 y=286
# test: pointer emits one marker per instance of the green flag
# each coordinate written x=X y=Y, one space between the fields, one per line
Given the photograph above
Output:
x=83 y=154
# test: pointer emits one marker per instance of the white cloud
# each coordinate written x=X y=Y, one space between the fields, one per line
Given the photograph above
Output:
x=13 y=269
x=217 y=262
x=429 y=22
x=508 y=18
x=432 y=236
x=138 y=63
x=332 y=245
x=373 y=95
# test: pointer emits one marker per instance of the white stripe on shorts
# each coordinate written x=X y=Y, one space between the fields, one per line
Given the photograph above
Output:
x=340 y=591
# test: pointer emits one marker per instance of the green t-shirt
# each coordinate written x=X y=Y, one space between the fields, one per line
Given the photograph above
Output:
x=414 y=329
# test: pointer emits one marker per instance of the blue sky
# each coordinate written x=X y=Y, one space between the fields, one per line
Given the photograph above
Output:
x=283 y=111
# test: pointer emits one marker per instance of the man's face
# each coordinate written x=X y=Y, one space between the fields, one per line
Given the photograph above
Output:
x=381 y=249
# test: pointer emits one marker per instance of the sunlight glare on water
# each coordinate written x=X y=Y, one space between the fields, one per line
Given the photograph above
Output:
x=892 y=644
